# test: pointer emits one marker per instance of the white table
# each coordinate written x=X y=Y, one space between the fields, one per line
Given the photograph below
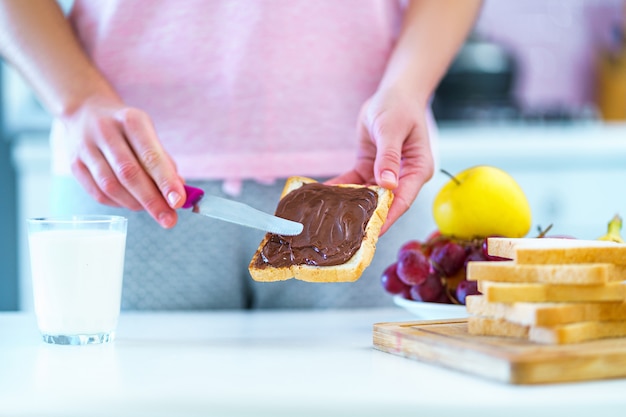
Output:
x=289 y=363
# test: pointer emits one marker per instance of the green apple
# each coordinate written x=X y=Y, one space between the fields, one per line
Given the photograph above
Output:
x=482 y=201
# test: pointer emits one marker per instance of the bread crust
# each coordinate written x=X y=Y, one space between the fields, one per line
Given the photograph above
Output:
x=505 y=292
x=554 y=335
x=557 y=251
x=351 y=270
x=548 y=313
x=581 y=274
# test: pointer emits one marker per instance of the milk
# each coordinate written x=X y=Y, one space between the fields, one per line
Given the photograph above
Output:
x=77 y=280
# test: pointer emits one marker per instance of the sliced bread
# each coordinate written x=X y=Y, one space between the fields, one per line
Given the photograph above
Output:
x=534 y=292
x=546 y=314
x=559 y=334
x=510 y=271
x=557 y=251
x=332 y=219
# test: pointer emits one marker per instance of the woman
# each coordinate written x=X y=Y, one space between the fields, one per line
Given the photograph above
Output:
x=233 y=96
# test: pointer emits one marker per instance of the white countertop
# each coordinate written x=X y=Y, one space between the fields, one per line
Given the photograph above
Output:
x=305 y=363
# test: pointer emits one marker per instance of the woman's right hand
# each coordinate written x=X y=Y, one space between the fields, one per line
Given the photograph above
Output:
x=116 y=155
x=118 y=159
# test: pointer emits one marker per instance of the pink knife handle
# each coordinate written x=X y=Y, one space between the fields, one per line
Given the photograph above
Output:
x=193 y=196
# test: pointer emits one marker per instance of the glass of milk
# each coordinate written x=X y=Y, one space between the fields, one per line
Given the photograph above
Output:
x=77 y=265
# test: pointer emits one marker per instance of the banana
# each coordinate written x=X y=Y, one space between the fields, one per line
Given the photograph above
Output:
x=613 y=232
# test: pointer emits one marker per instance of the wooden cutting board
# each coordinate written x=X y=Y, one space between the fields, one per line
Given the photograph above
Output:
x=514 y=361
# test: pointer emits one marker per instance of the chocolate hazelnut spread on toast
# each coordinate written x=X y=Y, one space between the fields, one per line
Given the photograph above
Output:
x=335 y=221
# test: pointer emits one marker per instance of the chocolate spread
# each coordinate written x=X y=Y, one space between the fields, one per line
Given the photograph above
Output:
x=334 y=220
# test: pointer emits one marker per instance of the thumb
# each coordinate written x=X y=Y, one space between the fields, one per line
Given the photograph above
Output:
x=388 y=138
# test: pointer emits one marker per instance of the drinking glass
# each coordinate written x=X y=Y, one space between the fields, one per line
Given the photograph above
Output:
x=77 y=265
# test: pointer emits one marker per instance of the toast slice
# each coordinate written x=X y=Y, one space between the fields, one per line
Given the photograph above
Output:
x=554 y=335
x=579 y=274
x=557 y=251
x=533 y=292
x=279 y=258
x=546 y=314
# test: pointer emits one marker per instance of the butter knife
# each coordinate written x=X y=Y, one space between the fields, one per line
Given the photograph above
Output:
x=238 y=213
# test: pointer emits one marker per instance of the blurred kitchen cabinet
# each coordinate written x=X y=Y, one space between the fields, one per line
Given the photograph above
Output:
x=26 y=125
x=31 y=158
x=8 y=251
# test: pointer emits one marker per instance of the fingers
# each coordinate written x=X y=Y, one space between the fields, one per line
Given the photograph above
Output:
x=85 y=179
x=396 y=138
x=152 y=157
x=417 y=169
x=93 y=171
x=120 y=162
x=350 y=177
x=141 y=167
x=388 y=133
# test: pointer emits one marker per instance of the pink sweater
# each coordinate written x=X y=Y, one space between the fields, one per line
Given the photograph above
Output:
x=243 y=89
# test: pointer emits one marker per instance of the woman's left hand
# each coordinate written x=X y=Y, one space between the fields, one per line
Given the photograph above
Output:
x=394 y=150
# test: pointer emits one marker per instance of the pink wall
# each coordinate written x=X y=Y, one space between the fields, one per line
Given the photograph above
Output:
x=555 y=42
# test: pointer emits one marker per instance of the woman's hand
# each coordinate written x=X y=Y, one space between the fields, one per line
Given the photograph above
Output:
x=394 y=150
x=394 y=146
x=116 y=155
x=118 y=159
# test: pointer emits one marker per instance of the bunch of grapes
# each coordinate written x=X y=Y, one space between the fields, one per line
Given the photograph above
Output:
x=434 y=270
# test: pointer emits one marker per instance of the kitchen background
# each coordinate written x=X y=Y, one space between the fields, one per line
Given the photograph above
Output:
x=538 y=90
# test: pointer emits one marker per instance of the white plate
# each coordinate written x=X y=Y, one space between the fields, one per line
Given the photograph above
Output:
x=431 y=311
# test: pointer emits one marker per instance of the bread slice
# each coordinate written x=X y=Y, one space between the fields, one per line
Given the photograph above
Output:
x=489 y=326
x=554 y=335
x=349 y=271
x=557 y=251
x=546 y=314
x=533 y=292
x=580 y=274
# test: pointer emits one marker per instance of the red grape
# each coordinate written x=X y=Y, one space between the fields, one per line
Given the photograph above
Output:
x=406 y=293
x=466 y=288
x=410 y=245
x=433 y=241
x=475 y=255
x=443 y=298
x=429 y=291
x=390 y=281
x=434 y=270
x=413 y=267
x=448 y=258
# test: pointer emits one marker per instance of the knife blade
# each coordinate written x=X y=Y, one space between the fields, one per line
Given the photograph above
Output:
x=238 y=213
